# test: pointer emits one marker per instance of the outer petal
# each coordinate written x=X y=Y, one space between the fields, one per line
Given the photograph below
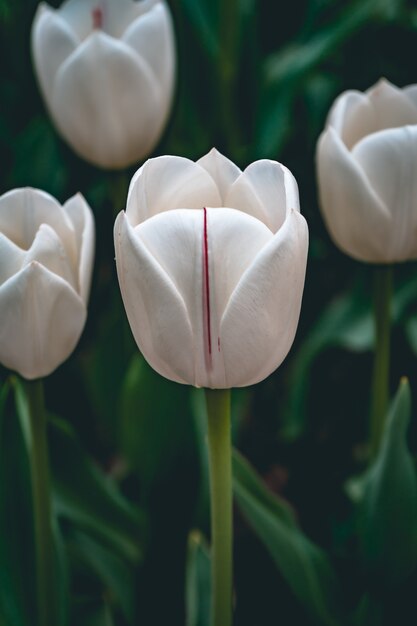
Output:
x=52 y=42
x=169 y=182
x=392 y=106
x=355 y=216
x=260 y=321
x=106 y=103
x=152 y=36
x=11 y=258
x=411 y=93
x=155 y=309
x=82 y=219
x=22 y=211
x=261 y=191
x=352 y=116
x=223 y=171
x=389 y=160
x=42 y=320
x=189 y=245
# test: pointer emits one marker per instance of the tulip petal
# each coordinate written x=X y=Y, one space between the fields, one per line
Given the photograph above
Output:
x=151 y=35
x=52 y=42
x=116 y=15
x=391 y=105
x=355 y=216
x=48 y=250
x=42 y=320
x=389 y=160
x=411 y=93
x=169 y=182
x=261 y=191
x=82 y=220
x=11 y=258
x=223 y=171
x=177 y=242
x=95 y=103
x=22 y=211
x=155 y=309
x=352 y=116
x=260 y=321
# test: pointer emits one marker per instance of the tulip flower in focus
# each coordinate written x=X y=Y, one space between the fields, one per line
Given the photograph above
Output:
x=211 y=263
x=46 y=258
x=106 y=70
x=367 y=173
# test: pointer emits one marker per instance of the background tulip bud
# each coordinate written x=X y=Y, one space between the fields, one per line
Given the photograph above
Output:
x=367 y=173
x=46 y=258
x=211 y=264
x=106 y=70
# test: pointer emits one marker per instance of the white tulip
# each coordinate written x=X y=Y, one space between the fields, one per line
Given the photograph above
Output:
x=46 y=258
x=211 y=264
x=367 y=173
x=106 y=69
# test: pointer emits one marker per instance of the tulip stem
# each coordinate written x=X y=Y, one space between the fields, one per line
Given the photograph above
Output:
x=39 y=464
x=219 y=442
x=383 y=280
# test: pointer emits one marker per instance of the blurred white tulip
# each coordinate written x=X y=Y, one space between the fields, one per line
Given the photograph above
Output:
x=367 y=173
x=46 y=258
x=106 y=69
x=211 y=264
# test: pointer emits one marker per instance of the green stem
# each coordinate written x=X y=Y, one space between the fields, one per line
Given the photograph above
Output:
x=119 y=186
x=219 y=441
x=383 y=280
x=39 y=464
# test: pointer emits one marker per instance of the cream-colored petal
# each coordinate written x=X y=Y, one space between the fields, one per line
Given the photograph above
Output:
x=106 y=103
x=52 y=42
x=11 y=258
x=352 y=116
x=22 y=211
x=152 y=36
x=260 y=321
x=114 y=15
x=42 y=318
x=223 y=171
x=355 y=216
x=82 y=219
x=261 y=192
x=169 y=182
x=48 y=250
x=389 y=160
x=156 y=311
x=392 y=107
x=411 y=93
x=205 y=253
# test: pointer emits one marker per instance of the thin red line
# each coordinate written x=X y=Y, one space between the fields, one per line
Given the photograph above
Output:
x=207 y=280
x=97 y=14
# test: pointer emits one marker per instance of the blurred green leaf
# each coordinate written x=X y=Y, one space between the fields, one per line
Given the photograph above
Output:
x=84 y=495
x=157 y=427
x=17 y=550
x=200 y=14
x=92 y=612
x=368 y=613
x=387 y=514
x=305 y=567
x=116 y=574
x=198 y=582
x=285 y=71
x=37 y=159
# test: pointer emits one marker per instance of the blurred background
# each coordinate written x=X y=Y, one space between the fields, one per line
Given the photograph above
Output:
x=304 y=428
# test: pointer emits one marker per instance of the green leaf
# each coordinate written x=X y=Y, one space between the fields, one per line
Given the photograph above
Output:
x=387 y=514
x=198 y=582
x=116 y=574
x=89 y=499
x=305 y=567
x=17 y=549
x=157 y=429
